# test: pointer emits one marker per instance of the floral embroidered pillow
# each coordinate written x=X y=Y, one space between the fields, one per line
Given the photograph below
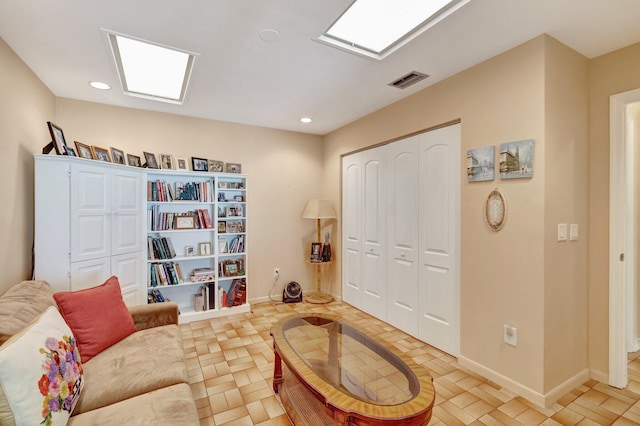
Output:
x=40 y=373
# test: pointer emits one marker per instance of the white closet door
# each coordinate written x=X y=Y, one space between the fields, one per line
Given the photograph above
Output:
x=351 y=230
x=403 y=290
x=129 y=270
x=90 y=213
x=374 y=218
x=439 y=239
x=128 y=211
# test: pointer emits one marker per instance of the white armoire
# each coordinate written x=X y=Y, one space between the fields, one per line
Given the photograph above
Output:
x=89 y=225
x=401 y=227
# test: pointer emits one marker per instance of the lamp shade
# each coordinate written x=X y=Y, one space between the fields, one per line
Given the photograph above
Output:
x=319 y=209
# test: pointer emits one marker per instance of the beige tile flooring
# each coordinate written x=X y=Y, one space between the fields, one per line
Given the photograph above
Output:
x=230 y=362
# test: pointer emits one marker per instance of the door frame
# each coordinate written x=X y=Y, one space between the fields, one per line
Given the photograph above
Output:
x=621 y=234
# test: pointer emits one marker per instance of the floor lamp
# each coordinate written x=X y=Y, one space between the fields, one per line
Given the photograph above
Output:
x=318 y=210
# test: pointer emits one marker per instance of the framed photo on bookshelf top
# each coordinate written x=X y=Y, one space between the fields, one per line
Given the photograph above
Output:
x=199 y=164
x=216 y=166
x=234 y=168
x=167 y=162
x=134 y=160
x=150 y=158
x=100 y=154
x=84 y=151
x=117 y=155
x=181 y=163
x=57 y=137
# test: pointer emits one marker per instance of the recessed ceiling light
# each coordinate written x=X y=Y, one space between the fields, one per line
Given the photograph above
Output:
x=151 y=71
x=376 y=28
x=269 y=35
x=99 y=85
x=306 y=120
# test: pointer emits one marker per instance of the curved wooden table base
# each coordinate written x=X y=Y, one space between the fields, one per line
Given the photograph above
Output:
x=340 y=405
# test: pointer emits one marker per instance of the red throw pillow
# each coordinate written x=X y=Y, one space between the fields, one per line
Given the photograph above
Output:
x=97 y=316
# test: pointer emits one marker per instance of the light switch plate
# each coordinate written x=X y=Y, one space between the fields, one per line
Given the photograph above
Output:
x=573 y=232
x=562 y=232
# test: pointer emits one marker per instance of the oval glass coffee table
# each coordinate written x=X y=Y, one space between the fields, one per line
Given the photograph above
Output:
x=337 y=374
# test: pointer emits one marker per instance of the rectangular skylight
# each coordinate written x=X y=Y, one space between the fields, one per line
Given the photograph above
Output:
x=376 y=28
x=150 y=70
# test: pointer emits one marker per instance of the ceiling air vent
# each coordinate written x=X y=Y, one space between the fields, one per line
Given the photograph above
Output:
x=407 y=80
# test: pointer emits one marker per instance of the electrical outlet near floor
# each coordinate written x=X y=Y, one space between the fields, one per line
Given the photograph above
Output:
x=276 y=273
x=510 y=335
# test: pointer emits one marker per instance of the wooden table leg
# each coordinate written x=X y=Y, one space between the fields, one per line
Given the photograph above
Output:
x=277 y=370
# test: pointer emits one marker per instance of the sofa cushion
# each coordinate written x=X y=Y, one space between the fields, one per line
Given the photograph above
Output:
x=98 y=316
x=40 y=373
x=168 y=406
x=141 y=362
x=21 y=304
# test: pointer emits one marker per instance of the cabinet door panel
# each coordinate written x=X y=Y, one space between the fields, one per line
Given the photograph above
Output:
x=403 y=290
x=352 y=231
x=128 y=211
x=90 y=222
x=128 y=268
x=90 y=273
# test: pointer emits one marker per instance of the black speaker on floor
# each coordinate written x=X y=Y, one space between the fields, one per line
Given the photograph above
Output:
x=292 y=293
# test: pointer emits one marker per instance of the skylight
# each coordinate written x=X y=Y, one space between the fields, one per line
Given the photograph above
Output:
x=376 y=28
x=150 y=70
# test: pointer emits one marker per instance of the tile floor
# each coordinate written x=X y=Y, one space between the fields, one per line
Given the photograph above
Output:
x=230 y=362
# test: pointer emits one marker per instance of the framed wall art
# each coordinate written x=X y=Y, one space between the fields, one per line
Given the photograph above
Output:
x=481 y=164
x=516 y=159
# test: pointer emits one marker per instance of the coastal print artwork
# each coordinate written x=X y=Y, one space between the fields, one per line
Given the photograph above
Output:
x=516 y=159
x=480 y=164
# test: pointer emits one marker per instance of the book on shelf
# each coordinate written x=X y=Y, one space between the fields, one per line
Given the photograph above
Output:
x=208 y=294
x=160 y=248
x=162 y=274
x=164 y=191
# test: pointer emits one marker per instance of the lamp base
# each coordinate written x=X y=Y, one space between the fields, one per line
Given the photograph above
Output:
x=318 y=298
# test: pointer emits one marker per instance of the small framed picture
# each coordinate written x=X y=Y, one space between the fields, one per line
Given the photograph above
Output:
x=189 y=251
x=316 y=252
x=181 y=163
x=134 y=160
x=216 y=166
x=231 y=269
x=222 y=227
x=222 y=196
x=234 y=168
x=199 y=164
x=70 y=151
x=167 y=162
x=84 y=151
x=223 y=246
x=205 y=248
x=100 y=154
x=238 y=198
x=57 y=137
x=184 y=222
x=117 y=155
x=150 y=158
x=231 y=211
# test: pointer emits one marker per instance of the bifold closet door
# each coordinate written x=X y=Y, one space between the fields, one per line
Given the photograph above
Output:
x=439 y=238
x=402 y=236
x=352 y=230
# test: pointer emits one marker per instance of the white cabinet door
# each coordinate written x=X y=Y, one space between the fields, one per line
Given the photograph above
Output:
x=90 y=212
x=351 y=231
x=403 y=290
x=127 y=212
x=129 y=270
x=374 y=225
x=439 y=238
x=90 y=273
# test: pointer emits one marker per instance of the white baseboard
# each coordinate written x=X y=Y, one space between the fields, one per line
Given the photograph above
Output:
x=600 y=376
x=542 y=400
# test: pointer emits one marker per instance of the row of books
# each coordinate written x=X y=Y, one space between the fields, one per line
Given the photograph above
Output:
x=166 y=221
x=236 y=245
x=161 y=274
x=160 y=248
x=206 y=299
x=178 y=191
x=236 y=296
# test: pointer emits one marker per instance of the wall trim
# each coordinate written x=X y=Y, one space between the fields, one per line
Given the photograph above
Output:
x=599 y=376
x=541 y=400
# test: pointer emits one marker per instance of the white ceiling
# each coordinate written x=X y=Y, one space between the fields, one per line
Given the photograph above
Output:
x=240 y=78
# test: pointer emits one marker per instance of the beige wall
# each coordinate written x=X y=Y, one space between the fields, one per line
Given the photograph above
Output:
x=504 y=275
x=566 y=201
x=25 y=108
x=609 y=74
x=283 y=169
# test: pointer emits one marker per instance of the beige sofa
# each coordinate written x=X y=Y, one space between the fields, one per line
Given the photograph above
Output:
x=142 y=379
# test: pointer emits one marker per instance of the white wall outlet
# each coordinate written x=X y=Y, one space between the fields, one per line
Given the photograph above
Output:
x=562 y=232
x=276 y=273
x=510 y=335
